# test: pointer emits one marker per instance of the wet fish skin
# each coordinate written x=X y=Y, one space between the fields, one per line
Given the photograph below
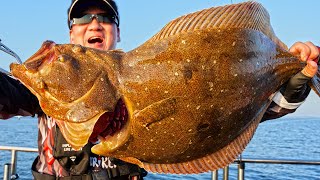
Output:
x=66 y=82
x=197 y=106
x=213 y=95
x=73 y=85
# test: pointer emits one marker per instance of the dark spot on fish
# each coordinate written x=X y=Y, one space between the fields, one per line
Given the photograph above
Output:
x=208 y=39
x=251 y=42
x=70 y=63
x=203 y=127
x=187 y=74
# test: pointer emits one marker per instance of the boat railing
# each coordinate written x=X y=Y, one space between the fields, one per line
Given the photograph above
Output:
x=241 y=165
x=9 y=172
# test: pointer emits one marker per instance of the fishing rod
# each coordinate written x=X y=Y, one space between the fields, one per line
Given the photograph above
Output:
x=10 y=52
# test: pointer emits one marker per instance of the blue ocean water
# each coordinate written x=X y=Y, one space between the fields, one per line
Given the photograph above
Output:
x=285 y=138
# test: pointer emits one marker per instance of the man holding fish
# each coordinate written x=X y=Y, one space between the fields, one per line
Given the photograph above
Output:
x=95 y=24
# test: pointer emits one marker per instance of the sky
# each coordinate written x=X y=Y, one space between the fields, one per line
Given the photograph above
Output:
x=25 y=25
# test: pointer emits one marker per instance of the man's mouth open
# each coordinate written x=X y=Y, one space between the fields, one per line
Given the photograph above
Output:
x=95 y=39
x=96 y=42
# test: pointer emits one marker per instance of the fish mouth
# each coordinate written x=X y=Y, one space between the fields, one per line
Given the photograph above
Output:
x=113 y=141
x=110 y=122
x=111 y=130
x=108 y=130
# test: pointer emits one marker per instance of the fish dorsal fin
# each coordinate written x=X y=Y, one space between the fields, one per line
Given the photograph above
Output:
x=247 y=15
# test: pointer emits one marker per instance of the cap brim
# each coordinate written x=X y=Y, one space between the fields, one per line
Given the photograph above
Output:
x=80 y=6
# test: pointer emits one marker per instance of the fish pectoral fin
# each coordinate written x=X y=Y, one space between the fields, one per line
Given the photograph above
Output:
x=156 y=111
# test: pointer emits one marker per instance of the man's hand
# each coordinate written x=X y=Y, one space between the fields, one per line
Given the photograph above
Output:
x=306 y=52
x=296 y=90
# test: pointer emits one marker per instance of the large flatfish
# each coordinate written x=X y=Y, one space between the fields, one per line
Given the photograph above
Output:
x=195 y=92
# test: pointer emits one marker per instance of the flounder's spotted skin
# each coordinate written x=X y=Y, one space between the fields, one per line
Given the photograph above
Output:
x=195 y=92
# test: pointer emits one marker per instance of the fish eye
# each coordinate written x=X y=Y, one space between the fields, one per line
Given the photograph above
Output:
x=78 y=49
x=61 y=58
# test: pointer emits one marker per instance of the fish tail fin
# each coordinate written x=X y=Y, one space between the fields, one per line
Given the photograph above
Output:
x=315 y=81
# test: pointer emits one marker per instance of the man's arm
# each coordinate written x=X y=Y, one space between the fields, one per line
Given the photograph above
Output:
x=293 y=93
x=16 y=99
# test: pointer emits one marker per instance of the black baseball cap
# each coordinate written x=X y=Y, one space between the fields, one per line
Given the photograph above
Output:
x=77 y=8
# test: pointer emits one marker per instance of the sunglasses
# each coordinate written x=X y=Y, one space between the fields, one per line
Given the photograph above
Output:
x=86 y=19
